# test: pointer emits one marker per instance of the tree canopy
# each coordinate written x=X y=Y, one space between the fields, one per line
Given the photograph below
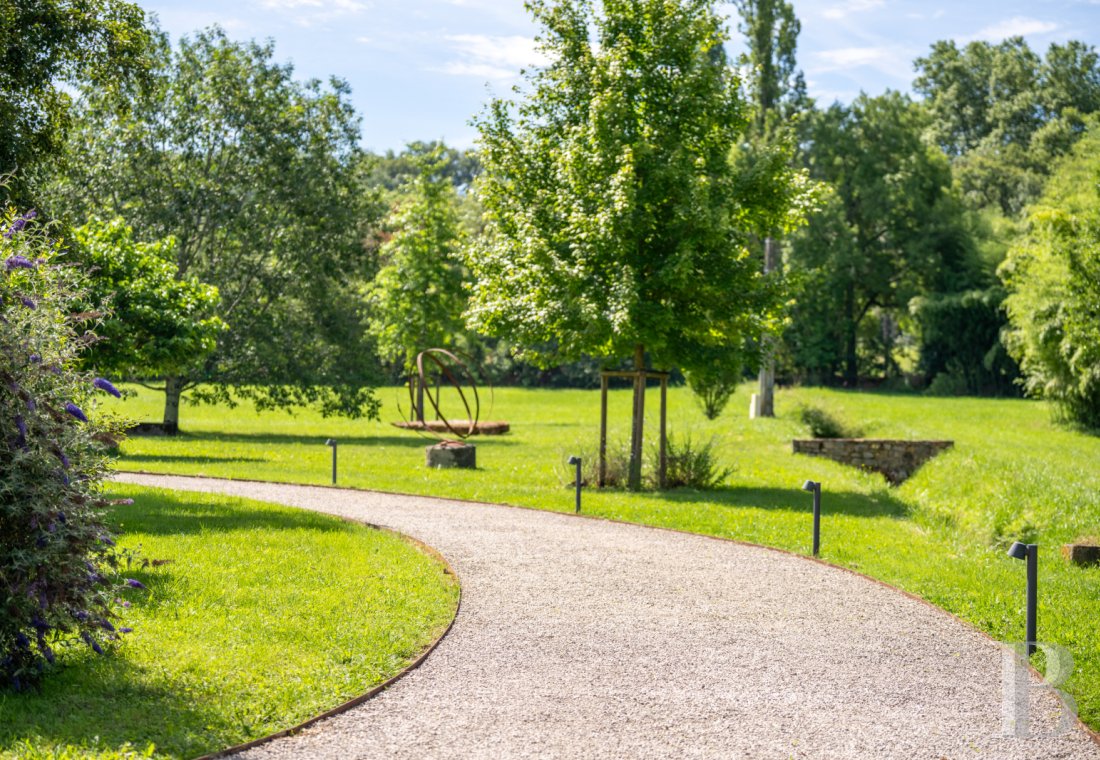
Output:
x=158 y=324
x=614 y=216
x=777 y=88
x=255 y=176
x=418 y=296
x=889 y=230
x=1054 y=277
x=48 y=44
x=1004 y=115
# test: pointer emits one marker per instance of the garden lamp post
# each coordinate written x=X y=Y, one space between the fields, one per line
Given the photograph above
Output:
x=815 y=489
x=1030 y=553
x=577 y=462
x=332 y=442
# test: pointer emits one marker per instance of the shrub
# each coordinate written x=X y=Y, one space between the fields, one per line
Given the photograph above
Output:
x=692 y=465
x=688 y=465
x=948 y=384
x=617 y=467
x=823 y=424
x=56 y=557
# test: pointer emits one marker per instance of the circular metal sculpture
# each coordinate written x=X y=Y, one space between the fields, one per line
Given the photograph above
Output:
x=437 y=370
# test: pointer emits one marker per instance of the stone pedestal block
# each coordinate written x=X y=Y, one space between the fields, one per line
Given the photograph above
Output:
x=1082 y=554
x=451 y=454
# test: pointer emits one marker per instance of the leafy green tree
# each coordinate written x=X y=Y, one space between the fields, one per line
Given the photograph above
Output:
x=615 y=220
x=418 y=296
x=57 y=561
x=890 y=229
x=46 y=45
x=1053 y=274
x=158 y=324
x=256 y=177
x=1004 y=115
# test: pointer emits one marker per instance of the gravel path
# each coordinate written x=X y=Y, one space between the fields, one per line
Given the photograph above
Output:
x=583 y=638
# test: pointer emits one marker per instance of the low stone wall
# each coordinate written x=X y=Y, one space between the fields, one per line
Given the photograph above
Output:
x=897 y=460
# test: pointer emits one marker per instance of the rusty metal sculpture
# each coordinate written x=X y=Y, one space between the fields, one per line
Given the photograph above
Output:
x=446 y=369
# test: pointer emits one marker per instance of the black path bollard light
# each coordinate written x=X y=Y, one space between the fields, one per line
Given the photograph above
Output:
x=1029 y=552
x=815 y=488
x=577 y=461
x=332 y=442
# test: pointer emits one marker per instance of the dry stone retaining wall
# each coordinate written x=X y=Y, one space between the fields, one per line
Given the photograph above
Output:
x=897 y=460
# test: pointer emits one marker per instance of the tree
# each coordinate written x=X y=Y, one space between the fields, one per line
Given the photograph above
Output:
x=1053 y=275
x=778 y=92
x=392 y=171
x=776 y=87
x=616 y=224
x=57 y=564
x=47 y=44
x=255 y=175
x=1004 y=115
x=158 y=324
x=960 y=342
x=890 y=230
x=418 y=296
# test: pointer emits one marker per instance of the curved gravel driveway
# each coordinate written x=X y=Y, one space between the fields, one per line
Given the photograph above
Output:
x=585 y=638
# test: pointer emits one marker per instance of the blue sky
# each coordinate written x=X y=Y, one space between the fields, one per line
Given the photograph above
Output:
x=420 y=69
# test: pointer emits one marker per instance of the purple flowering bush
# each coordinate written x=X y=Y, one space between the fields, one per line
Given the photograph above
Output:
x=58 y=564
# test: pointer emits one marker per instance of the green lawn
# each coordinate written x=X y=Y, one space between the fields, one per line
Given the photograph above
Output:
x=941 y=535
x=262 y=617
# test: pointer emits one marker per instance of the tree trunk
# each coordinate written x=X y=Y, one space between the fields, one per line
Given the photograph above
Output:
x=767 y=367
x=634 y=481
x=173 y=388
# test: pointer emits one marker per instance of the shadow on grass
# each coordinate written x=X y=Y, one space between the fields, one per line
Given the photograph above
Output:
x=160 y=515
x=188 y=458
x=410 y=440
x=880 y=504
x=105 y=704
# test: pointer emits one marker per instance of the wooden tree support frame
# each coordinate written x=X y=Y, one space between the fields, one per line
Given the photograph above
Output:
x=640 y=377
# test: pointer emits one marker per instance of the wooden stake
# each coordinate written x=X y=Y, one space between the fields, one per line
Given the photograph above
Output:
x=601 y=479
x=637 y=435
x=663 y=466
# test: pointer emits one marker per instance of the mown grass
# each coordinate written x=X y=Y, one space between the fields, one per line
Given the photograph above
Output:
x=261 y=617
x=941 y=535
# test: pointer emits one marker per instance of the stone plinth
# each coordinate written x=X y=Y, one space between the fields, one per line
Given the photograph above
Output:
x=897 y=460
x=1082 y=554
x=452 y=454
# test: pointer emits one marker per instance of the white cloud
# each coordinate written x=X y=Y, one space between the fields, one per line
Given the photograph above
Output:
x=850 y=7
x=893 y=62
x=850 y=58
x=925 y=17
x=1015 y=26
x=479 y=70
x=494 y=58
x=312 y=12
x=184 y=22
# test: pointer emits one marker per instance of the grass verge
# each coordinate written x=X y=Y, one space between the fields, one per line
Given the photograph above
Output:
x=941 y=535
x=262 y=617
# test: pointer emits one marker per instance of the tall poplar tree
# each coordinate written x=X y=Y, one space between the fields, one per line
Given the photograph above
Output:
x=777 y=91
